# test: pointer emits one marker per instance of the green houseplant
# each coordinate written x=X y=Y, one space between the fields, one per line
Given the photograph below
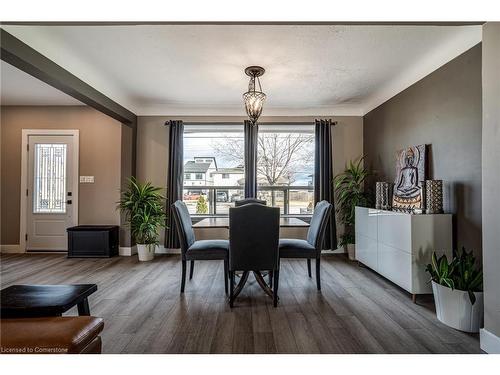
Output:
x=201 y=205
x=457 y=288
x=142 y=205
x=349 y=190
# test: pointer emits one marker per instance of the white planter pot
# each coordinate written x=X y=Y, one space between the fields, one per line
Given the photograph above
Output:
x=453 y=308
x=351 y=251
x=146 y=252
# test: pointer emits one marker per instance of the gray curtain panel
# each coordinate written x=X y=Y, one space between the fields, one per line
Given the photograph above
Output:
x=323 y=176
x=175 y=178
x=251 y=138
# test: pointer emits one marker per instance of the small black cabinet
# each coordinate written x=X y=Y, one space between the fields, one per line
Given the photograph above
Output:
x=93 y=241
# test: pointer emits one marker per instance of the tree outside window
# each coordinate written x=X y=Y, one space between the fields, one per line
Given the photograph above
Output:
x=285 y=157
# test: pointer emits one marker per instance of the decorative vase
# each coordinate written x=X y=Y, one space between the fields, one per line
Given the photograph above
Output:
x=453 y=308
x=146 y=252
x=383 y=195
x=434 y=196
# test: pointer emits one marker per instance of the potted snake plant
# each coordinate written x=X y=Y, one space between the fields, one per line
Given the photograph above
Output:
x=457 y=288
x=349 y=190
x=142 y=205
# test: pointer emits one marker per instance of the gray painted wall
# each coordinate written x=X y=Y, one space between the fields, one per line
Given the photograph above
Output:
x=443 y=110
x=491 y=179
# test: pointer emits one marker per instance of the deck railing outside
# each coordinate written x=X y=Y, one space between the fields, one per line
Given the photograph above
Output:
x=216 y=200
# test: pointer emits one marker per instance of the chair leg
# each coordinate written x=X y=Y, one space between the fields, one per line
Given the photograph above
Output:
x=275 y=288
x=226 y=276
x=183 y=276
x=318 y=275
x=231 y=288
x=191 y=270
x=271 y=279
x=309 y=267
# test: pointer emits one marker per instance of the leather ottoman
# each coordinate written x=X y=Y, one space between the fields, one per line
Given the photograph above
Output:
x=51 y=335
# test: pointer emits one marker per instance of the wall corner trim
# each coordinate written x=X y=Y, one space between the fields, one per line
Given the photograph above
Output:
x=489 y=342
x=11 y=249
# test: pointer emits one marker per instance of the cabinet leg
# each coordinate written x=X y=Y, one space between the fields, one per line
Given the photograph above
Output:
x=83 y=308
x=414 y=298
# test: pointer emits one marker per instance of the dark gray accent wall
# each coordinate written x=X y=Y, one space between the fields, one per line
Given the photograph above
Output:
x=444 y=111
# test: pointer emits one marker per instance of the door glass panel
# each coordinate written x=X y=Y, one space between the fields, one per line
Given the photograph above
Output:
x=49 y=187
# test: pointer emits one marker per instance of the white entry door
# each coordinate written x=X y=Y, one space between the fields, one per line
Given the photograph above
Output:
x=51 y=191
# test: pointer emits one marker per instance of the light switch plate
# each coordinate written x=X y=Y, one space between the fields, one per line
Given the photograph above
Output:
x=86 y=179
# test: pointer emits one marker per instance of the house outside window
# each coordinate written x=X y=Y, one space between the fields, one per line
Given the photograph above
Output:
x=207 y=151
x=187 y=176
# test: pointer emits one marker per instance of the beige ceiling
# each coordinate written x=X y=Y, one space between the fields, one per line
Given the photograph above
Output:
x=198 y=69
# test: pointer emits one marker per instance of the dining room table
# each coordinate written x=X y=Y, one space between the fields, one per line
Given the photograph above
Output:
x=223 y=222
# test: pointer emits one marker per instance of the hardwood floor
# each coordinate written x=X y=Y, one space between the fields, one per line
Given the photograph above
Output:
x=357 y=311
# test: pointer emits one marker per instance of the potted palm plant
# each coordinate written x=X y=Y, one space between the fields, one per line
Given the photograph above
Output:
x=457 y=288
x=142 y=205
x=349 y=189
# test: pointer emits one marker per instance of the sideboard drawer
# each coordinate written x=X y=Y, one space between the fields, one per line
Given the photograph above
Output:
x=394 y=229
x=366 y=221
x=395 y=265
x=366 y=251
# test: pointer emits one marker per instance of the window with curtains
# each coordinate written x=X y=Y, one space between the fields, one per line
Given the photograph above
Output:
x=285 y=167
x=214 y=161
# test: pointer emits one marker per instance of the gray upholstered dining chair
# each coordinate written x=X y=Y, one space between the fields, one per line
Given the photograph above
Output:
x=242 y=202
x=311 y=247
x=253 y=245
x=197 y=250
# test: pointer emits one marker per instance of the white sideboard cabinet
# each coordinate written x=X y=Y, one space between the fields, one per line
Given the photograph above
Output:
x=399 y=246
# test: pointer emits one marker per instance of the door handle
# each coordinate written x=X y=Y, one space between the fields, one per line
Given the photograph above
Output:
x=69 y=201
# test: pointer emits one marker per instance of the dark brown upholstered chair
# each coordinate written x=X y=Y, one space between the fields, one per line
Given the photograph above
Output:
x=197 y=250
x=311 y=247
x=253 y=242
x=51 y=335
x=242 y=202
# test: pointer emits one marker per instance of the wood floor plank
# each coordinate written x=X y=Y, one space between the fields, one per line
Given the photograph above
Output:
x=357 y=311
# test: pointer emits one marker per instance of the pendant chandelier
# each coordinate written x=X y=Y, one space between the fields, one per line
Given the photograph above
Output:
x=253 y=98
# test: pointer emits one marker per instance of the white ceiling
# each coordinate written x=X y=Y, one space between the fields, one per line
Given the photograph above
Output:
x=198 y=69
x=20 y=88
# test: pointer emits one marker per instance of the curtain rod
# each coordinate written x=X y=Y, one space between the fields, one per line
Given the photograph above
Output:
x=261 y=123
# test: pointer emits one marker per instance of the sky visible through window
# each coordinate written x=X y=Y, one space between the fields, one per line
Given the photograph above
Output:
x=209 y=144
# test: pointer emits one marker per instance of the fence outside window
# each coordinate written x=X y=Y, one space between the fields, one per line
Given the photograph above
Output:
x=216 y=200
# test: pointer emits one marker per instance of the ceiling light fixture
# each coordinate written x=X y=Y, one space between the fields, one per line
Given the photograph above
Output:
x=253 y=98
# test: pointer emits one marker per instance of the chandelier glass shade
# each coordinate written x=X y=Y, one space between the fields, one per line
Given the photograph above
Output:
x=254 y=99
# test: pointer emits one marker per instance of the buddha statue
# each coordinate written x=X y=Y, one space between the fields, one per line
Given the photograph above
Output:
x=407 y=186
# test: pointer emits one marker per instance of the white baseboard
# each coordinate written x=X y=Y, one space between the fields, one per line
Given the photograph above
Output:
x=336 y=251
x=489 y=342
x=129 y=251
x=11 y=249
x=164 y=250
